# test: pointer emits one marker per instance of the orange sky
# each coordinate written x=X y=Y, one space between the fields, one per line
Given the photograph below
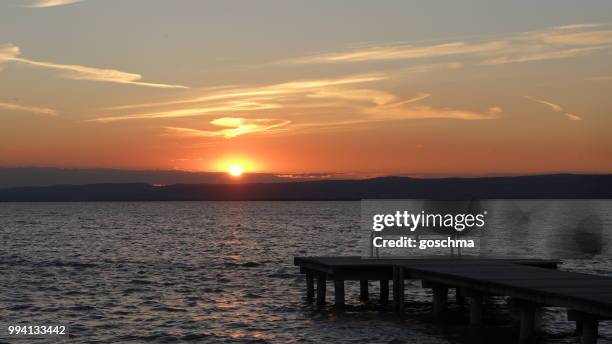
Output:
x=289 y=89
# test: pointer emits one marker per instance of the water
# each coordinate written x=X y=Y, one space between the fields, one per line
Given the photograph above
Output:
x=218 y=272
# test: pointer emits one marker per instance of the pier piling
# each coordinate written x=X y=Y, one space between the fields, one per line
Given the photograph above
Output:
x=339 y=293
x=321 y=284
x=476 y=309
x=363 y=290
x=384 y=292
x=527 y=322
x=309 y=286
x=440 y=298
x=532 y=283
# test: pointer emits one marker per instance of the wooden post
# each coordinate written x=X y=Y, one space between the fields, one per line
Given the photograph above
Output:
x=339 y=293
x=398 y=288
x=579 y=327
x=527 y=322
x=384 y=292
x=395 y=289
x=363 y=290
x=589 y=330
x=459 y=298
x=309 y=286
x=321 y=281
x=586 y=326
x=476 y=310
x=440 y=297
x=401 y=289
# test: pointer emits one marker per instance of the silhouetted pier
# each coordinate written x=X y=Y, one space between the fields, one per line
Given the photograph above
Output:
x=532 y=283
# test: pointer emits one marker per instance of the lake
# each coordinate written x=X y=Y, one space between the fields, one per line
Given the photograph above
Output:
x=218 y=272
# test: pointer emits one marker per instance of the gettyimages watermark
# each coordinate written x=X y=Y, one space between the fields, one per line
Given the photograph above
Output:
x=486 y=228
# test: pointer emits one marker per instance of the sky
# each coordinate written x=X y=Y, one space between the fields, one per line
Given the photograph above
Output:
x=436 y=88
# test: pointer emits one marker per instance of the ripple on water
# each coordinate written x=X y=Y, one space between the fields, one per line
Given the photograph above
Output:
x=211 y=272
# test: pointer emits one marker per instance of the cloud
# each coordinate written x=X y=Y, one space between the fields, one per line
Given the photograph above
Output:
x=364 y=105
x=27 y=108
x=52 y=3
x=556 y=108
x=573 y=117
x=554 y=43
x=399 y=112
x=600 y=78
x=581 y=26
x=275 y=90
x=547 y=55
x=358 y=95
x=234 y=126
x=553 y=106
x=277 y=96
x=577 y=38
x=234 y=106
x=10 y=53
x=399 y=52
x=425 y=68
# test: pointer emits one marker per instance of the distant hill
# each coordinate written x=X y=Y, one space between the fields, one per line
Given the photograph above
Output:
x=47 y=176
x=542 y=186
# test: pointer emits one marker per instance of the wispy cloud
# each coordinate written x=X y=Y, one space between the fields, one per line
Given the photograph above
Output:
x=600 y=78
x=233 y=106
x=10 y=53
x=575 y=38
x=541 y=56
x=556 y=108
x=356 y=95
x=552 y=106
x=27 y=108
x=581 y=26
x=52 y=3
x=573 y=117
x=399 y=111
x=295 y=98
x=400 y=52
x=244 y=99
x=426 y=68
x=554 y=43
x=287 y=88
x=233 y=127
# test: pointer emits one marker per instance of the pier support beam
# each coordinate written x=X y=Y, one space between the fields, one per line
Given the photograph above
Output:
x=589 y=330
x=309 y=286
x=527 y=322
x=440 y=298
x=476 y=310
x=587 y=325
x=363 y=290
x=398 y=289
x=579 y=327
x=459 y=297
x=384 y=292
x=321 y=284
x=339 y=293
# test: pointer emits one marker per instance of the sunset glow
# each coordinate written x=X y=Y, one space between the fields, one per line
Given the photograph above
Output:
x=417 y=98
x=235 y=170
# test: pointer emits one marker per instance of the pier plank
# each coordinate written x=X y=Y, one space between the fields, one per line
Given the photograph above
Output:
x=532 y=282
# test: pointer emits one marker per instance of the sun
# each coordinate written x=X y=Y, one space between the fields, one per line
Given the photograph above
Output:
x=235 y=170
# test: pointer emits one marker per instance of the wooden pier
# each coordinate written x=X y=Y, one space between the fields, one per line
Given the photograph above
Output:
x=532 y=283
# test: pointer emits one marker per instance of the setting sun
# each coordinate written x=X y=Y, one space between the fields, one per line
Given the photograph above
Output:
x=235 y=170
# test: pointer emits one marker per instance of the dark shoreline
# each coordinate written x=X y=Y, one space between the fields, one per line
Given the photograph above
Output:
x=556 y=186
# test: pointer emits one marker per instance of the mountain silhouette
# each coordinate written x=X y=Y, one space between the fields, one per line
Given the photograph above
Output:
x=528 y=187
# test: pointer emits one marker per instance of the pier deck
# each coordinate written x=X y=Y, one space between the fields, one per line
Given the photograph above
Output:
x=532 y=283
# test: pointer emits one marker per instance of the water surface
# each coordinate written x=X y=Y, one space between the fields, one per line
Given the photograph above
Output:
x=218 y=272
